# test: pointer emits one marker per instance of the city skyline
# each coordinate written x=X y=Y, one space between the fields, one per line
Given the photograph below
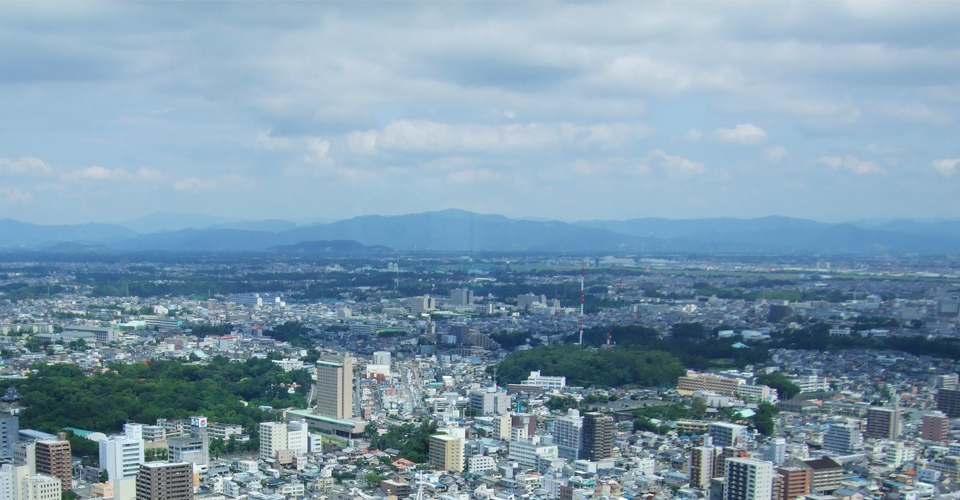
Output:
x=826 y=111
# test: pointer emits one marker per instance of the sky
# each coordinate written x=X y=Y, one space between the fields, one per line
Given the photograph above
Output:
x=571 y=111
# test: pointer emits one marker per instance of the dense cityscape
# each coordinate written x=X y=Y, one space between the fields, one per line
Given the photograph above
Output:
x=456 y=377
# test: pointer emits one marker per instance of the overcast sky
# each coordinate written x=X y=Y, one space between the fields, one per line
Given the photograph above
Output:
x=824 y=110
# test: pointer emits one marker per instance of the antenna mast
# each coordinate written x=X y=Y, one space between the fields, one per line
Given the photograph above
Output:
x=583 y=272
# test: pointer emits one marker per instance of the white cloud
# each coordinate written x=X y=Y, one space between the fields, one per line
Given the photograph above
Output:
x=195 y=184
x=149 y=174
x=430 y=136
x=14 y=195
x=776 y=153
x=851 y=163
x=270 y=143
x=947 y=167
x=915 y=112
x=97 y=173
x=693 y=135
x=25 y=165
x=744 y=134
x=675 y=165
x=472 y=176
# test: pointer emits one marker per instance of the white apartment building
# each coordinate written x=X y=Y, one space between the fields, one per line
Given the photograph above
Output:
x=549 y=384
x=568 y=435
x=481 y=464
x=121 y=456
x=382 y=358
x=725 y=434
x=273 y=438
x=748 y=479
x=40 y=487
x=529 y=451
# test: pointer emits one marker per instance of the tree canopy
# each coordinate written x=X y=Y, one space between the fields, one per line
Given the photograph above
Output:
x=619 y=366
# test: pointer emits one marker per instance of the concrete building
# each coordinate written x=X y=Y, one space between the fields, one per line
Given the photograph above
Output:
x=9 y=435
x=748 y=479
x=694 y=382
x=549 y=384
x=490 y=401
x=935 y=427
x=597 y=436
x=382 y=358
x=194 y=449
x=843 y=439
x=273 y=438
x=461 y=297
x=702 y=465
x=949 y=381
x=775 y=451
x=121 y=456
x=481 y=464
x=726 y=434
x=528 y=452
x=165 y=481
x=796 y=482
x=446 y=452
x=883 y=423
x=335 y=387
x=825 y=473
x=53 y=459
x=421 y=305
x=298 y=438
x=41 y=487
x=948 y=401
x=568 y=435
x=527 y=301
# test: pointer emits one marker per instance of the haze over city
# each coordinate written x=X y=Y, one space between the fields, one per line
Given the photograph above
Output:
x=830 y=111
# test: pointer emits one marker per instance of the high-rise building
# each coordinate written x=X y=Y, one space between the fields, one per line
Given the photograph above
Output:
x=501 y=427
x=936 y=427
x=461 y=297
x=121 y=456
x=748 y=479
x=796 y=482
x=726 y=434
x=421 y=305
x=462 y=333
x=53 y=459
x=40 y=487
x=843 y=439
x=297 y=437
x=825 y=473
x=948 y=401
x=25 y=454
x=273 y=438
x=702 y=465
x=165 y=481
x=381 y=358
x=525 y=421
x=568 y=435
x=335 y=387
x=883 y=423
x=597 y=436
x=11 y=479
x=446 y=452
x=9 y=435
x=490 y=401
x=775 y=451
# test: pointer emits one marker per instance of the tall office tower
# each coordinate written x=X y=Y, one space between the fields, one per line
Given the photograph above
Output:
x=273 y=438
x=843 y=439
x=883 y=423
x=9 y=435
x=702 y=465
x=568 y=435
x=446 y=452
x=381 y=358
x=53 y=459
x=796 y=482
x=40 y=487
x=597 y=436
x=748 y=479
x=335 y=387
x=121 y=456
x=461 y=297
x=165 y=481
x=948 y=401
x=936 y=427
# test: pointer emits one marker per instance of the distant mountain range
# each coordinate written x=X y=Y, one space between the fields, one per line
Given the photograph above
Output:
x=461 y=231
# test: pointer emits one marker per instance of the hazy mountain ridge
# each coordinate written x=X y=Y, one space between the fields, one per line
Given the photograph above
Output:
x=462 y=231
